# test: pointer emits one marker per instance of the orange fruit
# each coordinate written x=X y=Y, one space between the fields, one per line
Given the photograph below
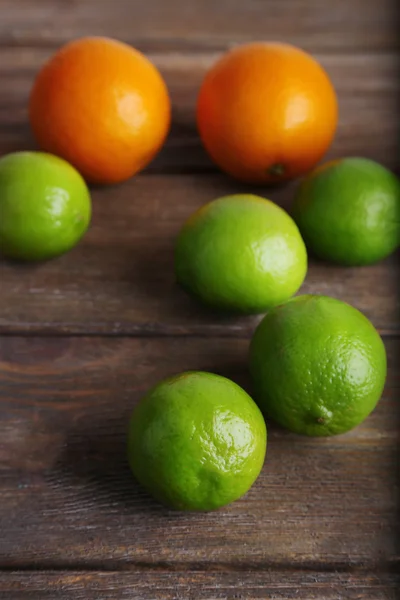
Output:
x=266 y=112
x=101 y=105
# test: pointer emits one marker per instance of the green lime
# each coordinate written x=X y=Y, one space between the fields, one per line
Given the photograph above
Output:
x=45 y=206
x=318 y=365
x=197 y=441
x=241 y=253
x=348 y=211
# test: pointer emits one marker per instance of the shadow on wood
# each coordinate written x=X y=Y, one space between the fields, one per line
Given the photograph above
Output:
x=95 y=458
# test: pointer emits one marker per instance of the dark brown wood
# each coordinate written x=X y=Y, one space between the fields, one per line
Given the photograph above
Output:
x=367 y=87
x=321 y=521
x=68 y=499
x=359 y=24
x=120 y=279
x=181 y=585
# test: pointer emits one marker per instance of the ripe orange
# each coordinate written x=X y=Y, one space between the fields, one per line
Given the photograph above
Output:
x=266 y=112
x=101 y=105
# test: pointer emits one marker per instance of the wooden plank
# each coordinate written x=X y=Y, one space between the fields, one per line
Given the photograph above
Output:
x=68 y=498
x=367 y=86
x=249 y=585
x=120 y=278
x=344 y=25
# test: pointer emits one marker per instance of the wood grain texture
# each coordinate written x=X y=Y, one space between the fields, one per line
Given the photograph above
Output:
x=68 y=498
x=249 y=585
x=367 y=86
x=321 y=522
x=120 y=278
x=359 y=24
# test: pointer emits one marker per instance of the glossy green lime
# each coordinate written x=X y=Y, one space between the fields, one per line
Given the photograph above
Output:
x=348 y=211
x=240 y=253
x=45 y=206
x=197 y=441
x=318 y=365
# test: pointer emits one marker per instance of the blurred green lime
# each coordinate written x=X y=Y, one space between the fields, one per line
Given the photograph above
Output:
x=45 y=206
x=348 y=211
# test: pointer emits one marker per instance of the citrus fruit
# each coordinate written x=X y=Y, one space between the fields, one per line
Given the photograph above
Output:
x=45 y=206
x=318 y=365
x=240 y=253
x=266 y=112
x=348 y=211
x=197 y=441
x=101 y=105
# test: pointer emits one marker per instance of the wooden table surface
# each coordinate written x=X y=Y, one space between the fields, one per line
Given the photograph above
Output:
x=83 y=337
